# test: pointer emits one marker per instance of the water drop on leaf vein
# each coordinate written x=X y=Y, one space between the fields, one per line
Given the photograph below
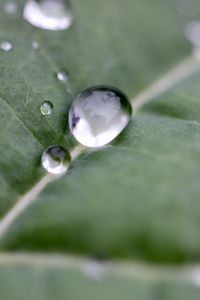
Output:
x=98 y=115
x=56 y=160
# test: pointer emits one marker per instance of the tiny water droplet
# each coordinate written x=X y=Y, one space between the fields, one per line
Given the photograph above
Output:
x=62 y=75
x=46 y=108
x=192 y=32
x=94 y=270
x=10 y=7
x=35 y=45
x=98 y=115
x=6 y=46
x=56 y=160
x=48 y=14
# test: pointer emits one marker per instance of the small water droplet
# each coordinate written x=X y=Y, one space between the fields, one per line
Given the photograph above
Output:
x=56 y=160
x=48 y=14
x=189 y=8
x=94 y=270
x=62 y=75
x=196 y=277
x=35 y=45
x=10 y=7
x=192 y=32
x=196 y=53
x=98 y=115
x=6 y=46
x=46 y=108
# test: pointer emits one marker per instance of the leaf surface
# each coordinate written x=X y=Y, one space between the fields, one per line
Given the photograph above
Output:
x=137 y=199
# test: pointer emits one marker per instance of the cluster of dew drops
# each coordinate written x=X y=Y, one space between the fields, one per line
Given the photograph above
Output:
x=98 y=114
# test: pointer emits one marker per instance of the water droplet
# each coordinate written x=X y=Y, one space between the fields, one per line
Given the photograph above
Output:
x=35 y=45
x=46 y=108
x=6 y=46
x=98 y=115
x=94 y=270
x=192 y=32
x=196 y=53
x=196 y=277
x=62 y=75
x=10 y=7
x=56 y=160
x=189 y=8
x=49 y=14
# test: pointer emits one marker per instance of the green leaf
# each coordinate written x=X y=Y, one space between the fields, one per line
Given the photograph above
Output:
x=109 y=47
x=137 y=199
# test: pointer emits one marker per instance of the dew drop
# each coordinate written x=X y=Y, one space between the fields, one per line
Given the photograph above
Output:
x=98 y=115
x=94 y=270
x=10 y=7
x=35 y=45
x=46 y=108
x=56 y=160
x=196 y=277
x=62 y=75
x=192 y=32
x=189 y=8
x=6 y=46
x=48 y=14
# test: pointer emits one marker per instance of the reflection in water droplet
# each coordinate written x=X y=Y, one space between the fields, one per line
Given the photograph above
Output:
x=6 y=46
x=62 y=75
x=98 y=115
x=192 y=32
x=49 y=14
x=10 y=7
x=56 y=160
x=35 y=45
x=46 y=108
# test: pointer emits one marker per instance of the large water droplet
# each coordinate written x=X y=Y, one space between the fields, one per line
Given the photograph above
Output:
x=49 y=14
x=6 y=46
x=56 y=160
x=62 y=75
x=10 y=7
x=46 y=108
x=192 y=32
x=98 y=115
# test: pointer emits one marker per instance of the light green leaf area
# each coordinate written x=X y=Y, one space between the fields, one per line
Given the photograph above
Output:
x=137 y=199
x=56 y=277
